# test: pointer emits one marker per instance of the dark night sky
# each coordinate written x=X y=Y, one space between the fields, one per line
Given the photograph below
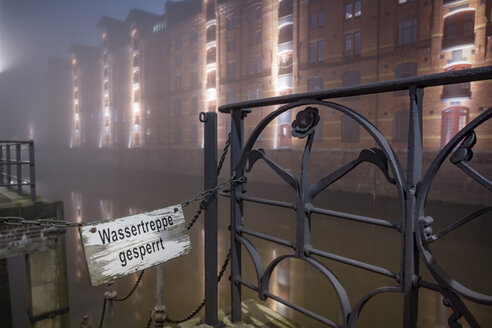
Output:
x=37 y=29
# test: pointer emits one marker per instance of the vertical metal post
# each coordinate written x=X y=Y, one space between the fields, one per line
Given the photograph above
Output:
x=159 y=313
x=32 y=171
x=1 y=165
x=236 y=213
x=414 y=176
x=9 y=171
x=19 y=168
x=111 y=294
x=210 y=170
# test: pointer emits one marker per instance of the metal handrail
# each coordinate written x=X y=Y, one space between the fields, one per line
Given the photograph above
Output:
x=412 y=189
x=11 y=156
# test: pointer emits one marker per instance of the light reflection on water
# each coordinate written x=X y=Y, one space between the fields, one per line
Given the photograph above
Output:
x=105 y=194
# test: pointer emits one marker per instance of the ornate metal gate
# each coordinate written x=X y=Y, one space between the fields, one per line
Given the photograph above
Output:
x=414 y=226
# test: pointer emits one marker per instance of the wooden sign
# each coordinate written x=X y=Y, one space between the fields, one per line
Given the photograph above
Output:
x=123 y=246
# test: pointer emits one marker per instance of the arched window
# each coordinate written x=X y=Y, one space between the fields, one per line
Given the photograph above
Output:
x=453 y=119
x=459 y=29
x=286 y=8
x=211 y=55
x=211 y=31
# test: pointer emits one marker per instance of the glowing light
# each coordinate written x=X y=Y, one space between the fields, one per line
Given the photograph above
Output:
x=106 y=112
x=211 y=44
x=136 y=107
x=454 y=12
x=76 y=116
x=460 y=47
x=211 y=94
x=458 y=62
x=211 y=67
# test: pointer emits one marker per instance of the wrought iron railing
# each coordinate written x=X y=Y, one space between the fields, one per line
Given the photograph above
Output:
x=14 y=155
x=412 y=189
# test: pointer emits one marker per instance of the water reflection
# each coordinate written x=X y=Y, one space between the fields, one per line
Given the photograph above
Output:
x=464 y=254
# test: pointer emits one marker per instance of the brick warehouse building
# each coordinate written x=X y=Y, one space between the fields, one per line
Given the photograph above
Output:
x=158 y=72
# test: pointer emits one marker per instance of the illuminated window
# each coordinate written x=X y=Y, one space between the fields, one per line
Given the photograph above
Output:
x=458 y=29
x=210 y=10
x=286 y=34
x=456 y=92
x=353 y=9
x=453 y=119
x=348 y=11
x=286 y=8
x=357 y=8
x=407 y=31
x=211 y=31
x=211 y=55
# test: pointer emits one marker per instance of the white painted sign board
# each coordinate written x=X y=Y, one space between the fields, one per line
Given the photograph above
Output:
x=119 y=247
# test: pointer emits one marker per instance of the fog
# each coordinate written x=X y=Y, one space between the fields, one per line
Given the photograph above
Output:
x=111 y=91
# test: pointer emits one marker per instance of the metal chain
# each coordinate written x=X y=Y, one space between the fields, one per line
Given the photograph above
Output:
x=48 y=222
x=224 y=153
x=121 y=299
x=102 y=313
x=202 y=304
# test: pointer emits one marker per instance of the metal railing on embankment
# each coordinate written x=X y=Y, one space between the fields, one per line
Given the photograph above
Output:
x=413 y=226
x=14 y=157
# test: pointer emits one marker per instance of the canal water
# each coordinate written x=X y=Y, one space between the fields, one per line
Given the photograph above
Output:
x=92 y=194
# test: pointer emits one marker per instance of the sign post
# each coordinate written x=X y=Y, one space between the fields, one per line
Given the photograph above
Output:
x=120 y=247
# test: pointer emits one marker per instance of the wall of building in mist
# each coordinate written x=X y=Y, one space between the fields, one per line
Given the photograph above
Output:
x=156 y=73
